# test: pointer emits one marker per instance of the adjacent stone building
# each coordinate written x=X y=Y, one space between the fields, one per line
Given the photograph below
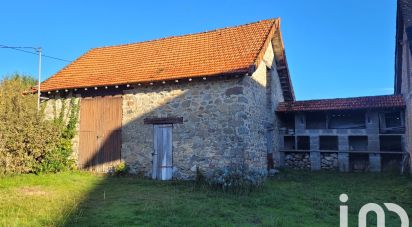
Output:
x=345 y=134
x=354 y=134
x=403 y=64
x=171 y=106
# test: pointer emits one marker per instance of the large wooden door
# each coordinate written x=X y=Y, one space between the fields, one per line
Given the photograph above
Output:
x=162 y=155
x=100 y=132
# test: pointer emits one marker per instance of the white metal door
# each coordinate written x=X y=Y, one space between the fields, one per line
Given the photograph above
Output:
x=162 y=155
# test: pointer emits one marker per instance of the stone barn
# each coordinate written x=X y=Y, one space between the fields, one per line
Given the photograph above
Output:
x=170 y=106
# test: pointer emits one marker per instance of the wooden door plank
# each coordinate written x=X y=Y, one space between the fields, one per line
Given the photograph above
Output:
x=164 y=153
x=100 y=132
x=155 y=152
x=167 y=150
x=88 y=140
x=110 y=120
x=159 y=152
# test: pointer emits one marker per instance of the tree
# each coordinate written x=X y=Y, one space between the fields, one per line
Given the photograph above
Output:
x=28 y=142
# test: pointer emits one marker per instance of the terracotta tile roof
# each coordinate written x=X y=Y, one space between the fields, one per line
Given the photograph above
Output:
x=366 y=102
x=223 y=51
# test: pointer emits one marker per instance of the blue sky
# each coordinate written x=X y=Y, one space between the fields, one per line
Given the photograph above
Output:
x=334 y=48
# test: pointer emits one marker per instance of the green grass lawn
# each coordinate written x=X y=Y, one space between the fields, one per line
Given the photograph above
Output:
x=290 y=199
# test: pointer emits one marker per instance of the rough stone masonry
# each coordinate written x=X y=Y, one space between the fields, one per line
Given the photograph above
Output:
x=225 y=121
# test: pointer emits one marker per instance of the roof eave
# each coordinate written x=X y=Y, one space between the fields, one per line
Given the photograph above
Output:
x=281 y=63
x=343 y=109
x=243 y=71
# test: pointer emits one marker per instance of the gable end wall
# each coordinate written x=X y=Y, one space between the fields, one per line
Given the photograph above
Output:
x=224 y=122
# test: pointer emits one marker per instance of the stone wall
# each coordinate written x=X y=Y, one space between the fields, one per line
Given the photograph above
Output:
x=297 y=160
x=406 y=90
x=264 y=92
x=52 y=109
x=224 y=122
x=329 y=161
x=275 y=95
x=214 y=133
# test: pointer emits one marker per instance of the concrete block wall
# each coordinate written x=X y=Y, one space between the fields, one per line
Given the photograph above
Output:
x=341 y=158
x=374 y=159
x=300 y=125
x=372 y=123
x=372 y=128
x=280 y=156
x=314 y=153
x=343 y=155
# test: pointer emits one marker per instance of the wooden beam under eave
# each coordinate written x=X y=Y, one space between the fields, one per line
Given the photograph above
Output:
x=163 y=120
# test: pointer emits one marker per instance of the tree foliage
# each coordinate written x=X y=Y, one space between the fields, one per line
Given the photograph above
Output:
x=29 y=142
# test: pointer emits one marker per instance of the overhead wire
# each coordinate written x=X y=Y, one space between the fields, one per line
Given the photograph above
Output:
x=30 y=52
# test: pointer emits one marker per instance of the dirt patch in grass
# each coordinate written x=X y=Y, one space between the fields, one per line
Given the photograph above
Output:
x=32 y=191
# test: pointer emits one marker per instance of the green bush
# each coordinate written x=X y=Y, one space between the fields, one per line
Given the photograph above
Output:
x=29 y=142
x=121 y=169
x=59 y=159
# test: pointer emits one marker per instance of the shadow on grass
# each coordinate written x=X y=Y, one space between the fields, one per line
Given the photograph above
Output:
x=132 y=200
x=289 y=199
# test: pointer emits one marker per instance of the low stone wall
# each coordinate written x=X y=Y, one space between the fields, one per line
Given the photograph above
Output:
x=329 y=161
x=297 y=160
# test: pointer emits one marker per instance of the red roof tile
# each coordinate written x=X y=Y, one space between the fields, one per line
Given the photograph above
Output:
x=366 y=102
x=222 y=51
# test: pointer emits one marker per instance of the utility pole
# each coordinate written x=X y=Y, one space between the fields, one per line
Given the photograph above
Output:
x=39 y=80
x=39 y=51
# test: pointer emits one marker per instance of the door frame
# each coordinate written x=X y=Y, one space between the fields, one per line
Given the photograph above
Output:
x=159 y=172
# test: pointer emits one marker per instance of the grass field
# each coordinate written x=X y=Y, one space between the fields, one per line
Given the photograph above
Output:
x=290 y=199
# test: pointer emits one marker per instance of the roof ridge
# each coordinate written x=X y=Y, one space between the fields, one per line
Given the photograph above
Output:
x=356 y=97
x=190 y=34
x=265 y=43
x=356 y=103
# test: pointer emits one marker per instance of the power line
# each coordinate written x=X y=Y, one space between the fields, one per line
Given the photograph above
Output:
x=30 y=52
